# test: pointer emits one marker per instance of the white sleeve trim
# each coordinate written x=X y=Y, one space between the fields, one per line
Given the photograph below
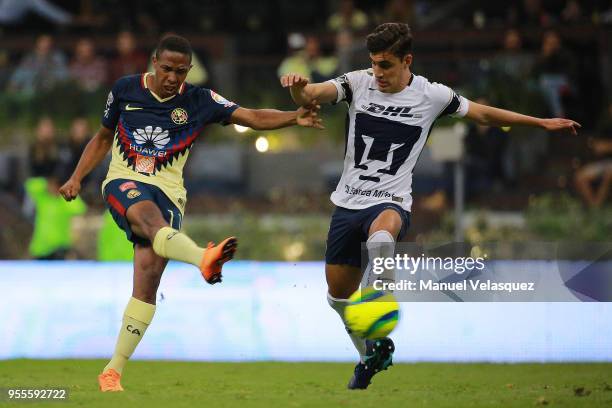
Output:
x=464 y=105
x=339 y=91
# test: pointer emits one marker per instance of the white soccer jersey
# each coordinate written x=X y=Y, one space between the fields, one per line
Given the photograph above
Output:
x=385 y=135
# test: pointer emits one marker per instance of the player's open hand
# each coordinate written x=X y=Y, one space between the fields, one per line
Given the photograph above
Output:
x=70 y=190
x=308 y=116
x=293 y=81
x=560 y=124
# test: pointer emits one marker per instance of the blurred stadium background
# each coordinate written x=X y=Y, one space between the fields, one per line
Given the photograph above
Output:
x=58 y=59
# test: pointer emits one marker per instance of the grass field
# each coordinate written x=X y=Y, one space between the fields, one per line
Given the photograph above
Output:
x=174 y=384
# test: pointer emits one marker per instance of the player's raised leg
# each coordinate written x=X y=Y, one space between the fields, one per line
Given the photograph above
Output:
x=138 y=314
x=146 y=220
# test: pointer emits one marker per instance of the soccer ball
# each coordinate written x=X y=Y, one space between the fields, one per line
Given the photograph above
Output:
x=371 y=314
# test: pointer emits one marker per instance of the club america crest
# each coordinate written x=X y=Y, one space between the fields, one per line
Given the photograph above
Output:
x=179 y=116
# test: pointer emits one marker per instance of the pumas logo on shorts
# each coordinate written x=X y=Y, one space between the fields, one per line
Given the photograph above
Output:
x=179 y=116
x=133 y=194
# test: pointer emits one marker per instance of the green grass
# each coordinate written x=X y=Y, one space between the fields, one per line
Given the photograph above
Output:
x=271 y=385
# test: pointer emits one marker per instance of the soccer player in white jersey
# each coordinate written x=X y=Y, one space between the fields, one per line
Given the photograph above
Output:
x=391 y=111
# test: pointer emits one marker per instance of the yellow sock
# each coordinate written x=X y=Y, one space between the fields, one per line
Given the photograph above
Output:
x=172 y=244
x=136 y=319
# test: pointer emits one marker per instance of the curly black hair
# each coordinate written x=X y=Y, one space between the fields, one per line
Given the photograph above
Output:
x=395 y=38
x=174 y=43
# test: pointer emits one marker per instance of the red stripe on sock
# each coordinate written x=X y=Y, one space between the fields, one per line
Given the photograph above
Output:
x=116 y=204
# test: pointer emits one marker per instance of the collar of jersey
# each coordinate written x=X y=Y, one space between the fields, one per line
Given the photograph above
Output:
x=395 y=93
x=159 y=99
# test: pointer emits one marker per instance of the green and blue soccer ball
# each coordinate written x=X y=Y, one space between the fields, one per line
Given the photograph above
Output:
x=371 y=314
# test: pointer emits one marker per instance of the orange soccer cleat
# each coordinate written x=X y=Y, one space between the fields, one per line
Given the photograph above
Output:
x=110 y=380
x=215 y=257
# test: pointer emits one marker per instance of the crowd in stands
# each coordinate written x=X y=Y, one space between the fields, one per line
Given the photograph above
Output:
x=46 y=65
x=157 y=16
x=322 y=47
x=546 y=73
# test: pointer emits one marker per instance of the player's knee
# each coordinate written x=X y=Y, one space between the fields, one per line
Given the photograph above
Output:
x=149 y=225
x=389 y=221
x=145 y=219
x=342 y=280
x=340 y=291
x=380 y=237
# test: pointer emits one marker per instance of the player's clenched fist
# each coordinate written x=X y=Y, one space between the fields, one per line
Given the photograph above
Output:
x=70 y=190
x=293 y=80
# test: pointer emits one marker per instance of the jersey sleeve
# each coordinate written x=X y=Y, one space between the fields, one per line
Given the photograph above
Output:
x=111 y=110
x=346 y=85
x=218 y=108
x=448 y=101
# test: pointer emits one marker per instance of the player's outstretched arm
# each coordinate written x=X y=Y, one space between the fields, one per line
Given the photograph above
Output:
x=304 y=93
x=267 y=119
x=93 y=154
x=488 y=115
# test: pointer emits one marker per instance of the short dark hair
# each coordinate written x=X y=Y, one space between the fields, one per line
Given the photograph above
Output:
x=174 y=43
x=395 y=38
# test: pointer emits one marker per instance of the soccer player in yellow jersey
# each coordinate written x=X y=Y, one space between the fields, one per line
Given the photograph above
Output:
x=150 y=122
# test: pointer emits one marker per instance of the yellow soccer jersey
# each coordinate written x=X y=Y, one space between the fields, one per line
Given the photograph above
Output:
x=153 y=136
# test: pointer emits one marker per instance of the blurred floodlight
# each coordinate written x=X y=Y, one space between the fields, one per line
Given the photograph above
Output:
x=261 y=144
x=294 y=251
x=240 y=129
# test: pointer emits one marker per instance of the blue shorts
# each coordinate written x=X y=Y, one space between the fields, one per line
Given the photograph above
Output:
x=349 y=228
x=120 y=194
